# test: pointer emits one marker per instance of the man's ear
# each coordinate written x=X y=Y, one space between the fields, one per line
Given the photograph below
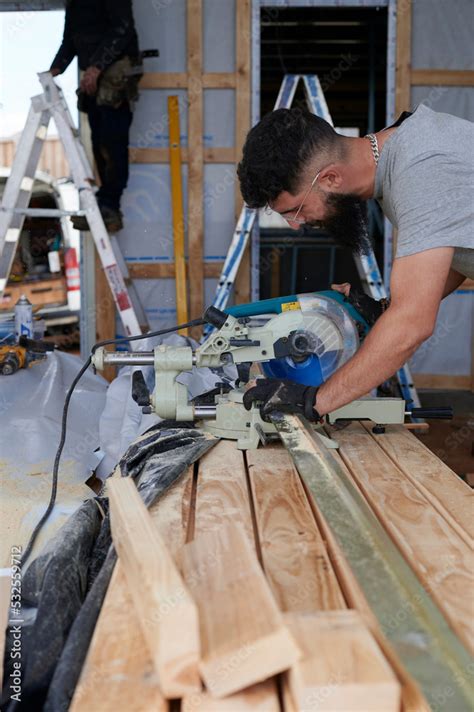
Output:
x=331 y=178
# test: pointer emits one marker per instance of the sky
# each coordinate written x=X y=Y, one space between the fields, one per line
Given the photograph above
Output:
x=28 y=44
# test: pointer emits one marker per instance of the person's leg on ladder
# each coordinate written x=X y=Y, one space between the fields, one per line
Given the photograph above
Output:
x=114 y=141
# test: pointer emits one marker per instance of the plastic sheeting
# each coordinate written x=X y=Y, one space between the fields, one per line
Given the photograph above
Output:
x=31 y=406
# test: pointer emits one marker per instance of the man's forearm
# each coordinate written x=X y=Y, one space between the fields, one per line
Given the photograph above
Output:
x=389 y=345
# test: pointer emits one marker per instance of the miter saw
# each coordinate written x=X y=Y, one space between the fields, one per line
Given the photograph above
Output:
x=303 y=337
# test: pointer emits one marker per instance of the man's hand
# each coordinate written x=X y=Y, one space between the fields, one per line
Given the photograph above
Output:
x=55 y=71
x=89 y=80
x=283 y=395
x=367 y=307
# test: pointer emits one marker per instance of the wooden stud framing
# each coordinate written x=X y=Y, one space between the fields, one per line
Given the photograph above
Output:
x=166 y=270
x=444 y=77
x=403 y=61
x=242 y=125
x=179 y=80
x=161 y=155
x=195 y=159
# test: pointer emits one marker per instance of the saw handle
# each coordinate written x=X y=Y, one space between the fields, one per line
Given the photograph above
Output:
x=140 y=392
x=433 y=413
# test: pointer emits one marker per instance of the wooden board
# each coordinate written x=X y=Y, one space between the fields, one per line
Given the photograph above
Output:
x=166 y=611
x=171 y=512
x=222 y=492
x=45 y=291
x=243 y=637
x=195 y=216
x=294 y=553
x=242 y=126
x=443 y=77
x=212 y=154
x=342 y=667
x=412 y=697
x=258 y=698
x=403 y=57
x=118 y=672
x=166 y=270
x=179 y=80
x=442 y=561
x=449 y=495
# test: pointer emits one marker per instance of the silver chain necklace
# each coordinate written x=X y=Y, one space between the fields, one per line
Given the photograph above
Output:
x=374 y=144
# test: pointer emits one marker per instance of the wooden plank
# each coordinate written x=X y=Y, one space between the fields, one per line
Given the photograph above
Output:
x=219 y=80
x=166 y=612
x=294 y=553
x=244 y=640
x=449 y=495
x=179 y=80
x=412 y=697
x=177 y=212
x=342 y=667
x=195 y=160
x=442 y=77
x=161 y=155
x=104 y=312
x=165 y=270
x=403 y=57
x=442 y=561
x=242 y=126
x=441 y=381
x=262 y=697
x=164 y=80
x=222 y=494
x=171 y=512
x=118 y=671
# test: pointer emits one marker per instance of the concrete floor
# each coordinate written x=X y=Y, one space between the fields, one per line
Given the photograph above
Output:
x=452 y=440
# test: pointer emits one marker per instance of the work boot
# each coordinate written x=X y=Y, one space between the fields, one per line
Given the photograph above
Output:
x=112 y=220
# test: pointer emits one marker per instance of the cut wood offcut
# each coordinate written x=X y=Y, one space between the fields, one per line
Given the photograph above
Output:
x=243 y=636
x=167 y=614
x=342 y=666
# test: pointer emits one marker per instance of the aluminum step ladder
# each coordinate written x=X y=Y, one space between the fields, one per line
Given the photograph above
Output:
x=17 y=194
x=366 y=264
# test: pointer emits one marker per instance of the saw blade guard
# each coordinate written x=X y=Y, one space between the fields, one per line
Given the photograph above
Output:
x=325 y=337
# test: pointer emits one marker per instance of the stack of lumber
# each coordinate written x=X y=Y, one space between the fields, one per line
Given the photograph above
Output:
x=231 y=593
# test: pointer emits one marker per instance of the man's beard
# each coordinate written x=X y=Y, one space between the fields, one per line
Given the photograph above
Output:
x=346 y=221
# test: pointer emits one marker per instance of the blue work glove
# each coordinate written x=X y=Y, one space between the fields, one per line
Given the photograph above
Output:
x=284 y=396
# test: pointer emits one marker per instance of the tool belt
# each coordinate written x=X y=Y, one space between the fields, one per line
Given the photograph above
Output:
x=119 y=82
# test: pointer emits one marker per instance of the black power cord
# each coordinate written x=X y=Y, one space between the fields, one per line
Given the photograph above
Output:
x=54 y=485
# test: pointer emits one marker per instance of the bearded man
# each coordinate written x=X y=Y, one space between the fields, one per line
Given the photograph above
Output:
x=421 y=171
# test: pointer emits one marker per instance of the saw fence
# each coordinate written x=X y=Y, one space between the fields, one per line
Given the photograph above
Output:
x=236 y=578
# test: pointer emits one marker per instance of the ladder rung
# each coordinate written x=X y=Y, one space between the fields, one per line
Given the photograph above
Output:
x=42 y=212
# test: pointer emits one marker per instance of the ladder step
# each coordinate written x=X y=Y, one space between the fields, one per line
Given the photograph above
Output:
x=43 y=212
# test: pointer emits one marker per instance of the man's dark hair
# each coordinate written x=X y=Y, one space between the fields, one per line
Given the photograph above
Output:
x=277 y=151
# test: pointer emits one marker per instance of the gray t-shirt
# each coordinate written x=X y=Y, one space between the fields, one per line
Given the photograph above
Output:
x=425 y=185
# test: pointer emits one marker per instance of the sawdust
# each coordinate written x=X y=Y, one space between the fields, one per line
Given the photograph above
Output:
x=24 y=495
